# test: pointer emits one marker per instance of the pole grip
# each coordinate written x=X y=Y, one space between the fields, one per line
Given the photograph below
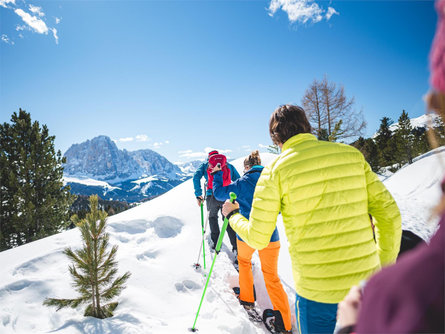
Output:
x=224 y=227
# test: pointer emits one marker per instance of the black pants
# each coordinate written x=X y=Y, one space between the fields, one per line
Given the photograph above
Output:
x=213 y=206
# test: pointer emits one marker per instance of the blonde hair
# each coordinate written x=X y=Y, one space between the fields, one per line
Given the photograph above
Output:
x=435 y=102
x=253 y=159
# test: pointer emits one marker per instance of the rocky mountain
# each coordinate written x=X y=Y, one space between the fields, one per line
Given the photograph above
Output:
x=153 y=163
x=97 y=166
x=189 y=168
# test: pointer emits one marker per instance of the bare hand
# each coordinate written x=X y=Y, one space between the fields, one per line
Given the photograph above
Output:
x=348 y=308
x=200 y=200
x=228 y=207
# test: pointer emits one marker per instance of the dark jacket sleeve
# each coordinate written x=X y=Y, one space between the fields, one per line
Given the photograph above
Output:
x=200 y=172
x=220 y=192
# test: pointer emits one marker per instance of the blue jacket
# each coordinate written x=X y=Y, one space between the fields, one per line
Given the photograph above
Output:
x=202 y=171
x=244 y=189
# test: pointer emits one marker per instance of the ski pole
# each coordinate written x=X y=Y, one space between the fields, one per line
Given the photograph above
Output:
x=197 y=265
x=203 y=239
x=203 y=228
x=217 y=249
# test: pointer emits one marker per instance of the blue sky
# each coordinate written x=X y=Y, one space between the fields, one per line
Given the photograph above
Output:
x=181 y=77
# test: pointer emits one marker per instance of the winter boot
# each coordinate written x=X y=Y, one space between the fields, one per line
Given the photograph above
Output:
x=274 y=321
x=235 y=252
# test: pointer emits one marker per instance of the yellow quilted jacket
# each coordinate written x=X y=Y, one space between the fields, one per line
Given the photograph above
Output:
x=324 y=192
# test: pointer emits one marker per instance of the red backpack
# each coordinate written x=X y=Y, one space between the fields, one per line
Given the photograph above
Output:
x=213 y=161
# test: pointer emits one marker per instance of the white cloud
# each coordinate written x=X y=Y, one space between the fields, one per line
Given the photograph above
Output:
x=36 y=10
x=209 y=149
x=159 y=144
x=20 y=28
x=301 y=11
x=193 y=155
x=125 y=140
x=201 y=154
x=331 y=11
x=58 y=20
x=35 y=23
x=185 y=152
x=4 y=3
x=263 y=146
x=142 y=138
x=6 y=39
x=54 y=31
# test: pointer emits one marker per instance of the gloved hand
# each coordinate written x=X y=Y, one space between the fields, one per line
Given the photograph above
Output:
x=200 y=200
x=217 y=168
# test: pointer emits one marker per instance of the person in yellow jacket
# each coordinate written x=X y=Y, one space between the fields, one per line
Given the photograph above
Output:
x=325 y=192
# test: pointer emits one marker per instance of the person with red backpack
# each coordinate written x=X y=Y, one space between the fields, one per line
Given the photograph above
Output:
x=213 y=205
x=244 y=188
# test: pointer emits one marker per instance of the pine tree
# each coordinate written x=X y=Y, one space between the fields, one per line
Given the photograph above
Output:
x=93 y=268
x=439 y=131
x=369 y=150
x=384 y=143
x=404 y=140
x=34 y=202
x=421 y=144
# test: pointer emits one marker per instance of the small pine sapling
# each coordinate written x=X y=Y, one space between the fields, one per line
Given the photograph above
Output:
x=94 y=268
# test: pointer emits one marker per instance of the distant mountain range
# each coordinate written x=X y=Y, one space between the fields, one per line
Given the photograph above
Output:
x=97 y=166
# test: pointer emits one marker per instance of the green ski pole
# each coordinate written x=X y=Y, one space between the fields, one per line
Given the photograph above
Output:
x=217 y=249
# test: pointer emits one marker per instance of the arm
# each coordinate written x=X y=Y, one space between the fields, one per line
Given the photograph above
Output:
x=388 y=222
x=220 y=192
x=197 y=179
x=266 y=205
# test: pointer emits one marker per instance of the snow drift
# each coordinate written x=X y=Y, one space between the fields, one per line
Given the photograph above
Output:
x=158 y=243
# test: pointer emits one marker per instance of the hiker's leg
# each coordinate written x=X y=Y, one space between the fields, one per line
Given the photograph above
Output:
x=278 y=297
x=212 y=208
x=245 y=271
x=314 y=317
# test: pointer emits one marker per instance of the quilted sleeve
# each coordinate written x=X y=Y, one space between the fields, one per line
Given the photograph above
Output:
x=257 y=231
x=388 y=222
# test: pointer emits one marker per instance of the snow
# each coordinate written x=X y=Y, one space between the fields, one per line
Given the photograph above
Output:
x=158 y=242
x=88 y=182
x=146 y=179
x=422 y=121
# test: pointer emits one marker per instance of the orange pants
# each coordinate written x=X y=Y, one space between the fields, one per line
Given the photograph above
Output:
x=269 y=266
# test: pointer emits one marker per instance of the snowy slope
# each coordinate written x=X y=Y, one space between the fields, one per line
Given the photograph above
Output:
x=158 y=242
x=89 y=182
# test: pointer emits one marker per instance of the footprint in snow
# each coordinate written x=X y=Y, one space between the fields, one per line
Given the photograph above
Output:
x=164 y=227
x=186 y=285
x=136 y=226
x=167 y=227
x=147 y=255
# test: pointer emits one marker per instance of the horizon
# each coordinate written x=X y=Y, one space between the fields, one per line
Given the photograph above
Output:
x=181 y=78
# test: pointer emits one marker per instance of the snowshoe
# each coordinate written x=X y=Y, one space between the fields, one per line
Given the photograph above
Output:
x=249 y=307
x=274 y=322
x=252 y=312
